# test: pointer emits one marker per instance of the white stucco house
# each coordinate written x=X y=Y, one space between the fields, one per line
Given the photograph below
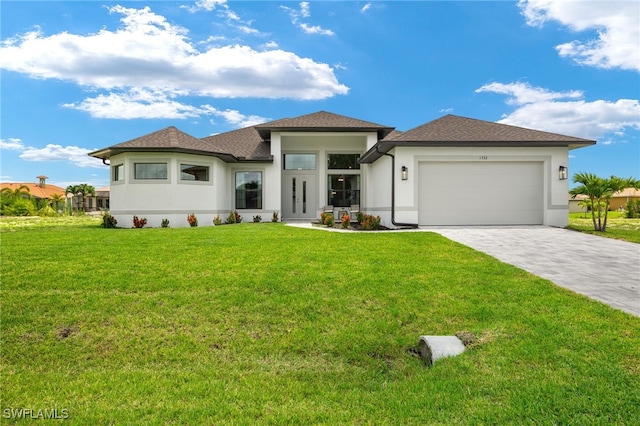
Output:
x=450 y=171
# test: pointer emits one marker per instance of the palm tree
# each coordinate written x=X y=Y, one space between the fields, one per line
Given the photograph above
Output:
x=599 y=191
x=55 y=200
x=81 y=191
x=19 y=192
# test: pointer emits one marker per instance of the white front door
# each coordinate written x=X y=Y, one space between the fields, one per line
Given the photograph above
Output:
x=299 y=196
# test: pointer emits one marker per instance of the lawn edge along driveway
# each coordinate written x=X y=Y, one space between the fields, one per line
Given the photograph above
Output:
x=604 y=269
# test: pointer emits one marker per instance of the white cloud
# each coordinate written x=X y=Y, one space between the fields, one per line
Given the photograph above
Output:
x=11 y=144
x=315 y=29
x=566 y=112
x=149 y=53
x=136 y=103
x=52 y=152
x=305 y=12
x=207 y=5
x=365 y=7
x=240 y=120
x=305 y=9
x=156 y=104
x=616 y=22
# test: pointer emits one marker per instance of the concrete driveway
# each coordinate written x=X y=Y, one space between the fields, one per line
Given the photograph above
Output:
x=604 y=269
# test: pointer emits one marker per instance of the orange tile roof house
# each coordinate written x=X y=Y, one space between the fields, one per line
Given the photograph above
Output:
x=41 y=190
x=450 y=171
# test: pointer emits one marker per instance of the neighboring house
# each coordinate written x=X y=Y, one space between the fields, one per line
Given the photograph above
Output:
x=102 y=198
x=40 y=190
x=620 y=199
x=450 y=171
x=575 y=205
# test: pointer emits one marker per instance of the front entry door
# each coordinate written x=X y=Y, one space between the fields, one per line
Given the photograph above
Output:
x=299 y=196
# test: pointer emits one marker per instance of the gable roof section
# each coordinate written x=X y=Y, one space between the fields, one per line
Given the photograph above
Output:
x=456 y=131
x=169 y=139
x=322 y=121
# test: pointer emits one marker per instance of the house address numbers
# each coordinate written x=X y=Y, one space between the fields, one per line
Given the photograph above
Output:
x=484 y=157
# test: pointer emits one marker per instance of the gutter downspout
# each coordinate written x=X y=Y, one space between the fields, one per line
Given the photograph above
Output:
x=393 y=192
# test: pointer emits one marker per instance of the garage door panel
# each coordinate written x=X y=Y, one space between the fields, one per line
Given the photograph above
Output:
x=480 y=193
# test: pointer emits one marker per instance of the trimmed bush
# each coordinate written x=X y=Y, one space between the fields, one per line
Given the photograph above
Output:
x=139 y=223
x=108 y=221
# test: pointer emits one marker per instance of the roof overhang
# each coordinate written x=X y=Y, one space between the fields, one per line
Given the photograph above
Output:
x=227 y=158
x=265 y=132
x=383 y=147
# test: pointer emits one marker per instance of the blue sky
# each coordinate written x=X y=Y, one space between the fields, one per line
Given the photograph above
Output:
x=82 y=75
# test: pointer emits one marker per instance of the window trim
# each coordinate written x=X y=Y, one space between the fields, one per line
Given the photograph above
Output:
x=260 y=191
x=284 y=161
x=113 y=173
x=152 y=161
x=208 y=181
x=357 y=165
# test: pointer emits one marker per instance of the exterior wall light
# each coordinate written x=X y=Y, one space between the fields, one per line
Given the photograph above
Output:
x=405 y=173
x=562 y=173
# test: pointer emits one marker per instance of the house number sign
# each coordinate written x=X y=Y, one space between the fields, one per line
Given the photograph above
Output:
x=484 y=157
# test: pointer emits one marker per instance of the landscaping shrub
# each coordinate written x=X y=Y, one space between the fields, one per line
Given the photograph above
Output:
x=346 y=220
x=20 y=207
x=47 y=211
x=108 y=221
x=193 y=220
x=139 y=223
x=324 y=218
x=274 y=216
x=370 y=222
x=217 y=221
x=164 y=223
x=233 y=217
x=257 y=218
x=632 y=209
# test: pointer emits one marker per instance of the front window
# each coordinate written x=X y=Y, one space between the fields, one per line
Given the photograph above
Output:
x=150 y=170
x=343 y=161
x=192 y=172
x=117 y=172
x=299 y=161
x=344 y=190
x=248 y=190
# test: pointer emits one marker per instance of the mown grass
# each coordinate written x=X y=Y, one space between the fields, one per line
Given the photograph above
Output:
x=262 y=323
x=618 y=226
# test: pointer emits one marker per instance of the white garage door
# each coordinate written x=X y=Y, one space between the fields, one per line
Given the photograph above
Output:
x=480 y=193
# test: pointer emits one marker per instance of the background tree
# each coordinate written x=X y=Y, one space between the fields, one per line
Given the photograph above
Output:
x=16 y=202
x=19 y=192
x=56 y=200
x=599 y=192
x=81 y=191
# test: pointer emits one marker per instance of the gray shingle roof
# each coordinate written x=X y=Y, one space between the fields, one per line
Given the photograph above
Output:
x=453 y=128
x=322 y=121
x=172 y=139
x=242 y=143
x=169 y=137
x=252 y=143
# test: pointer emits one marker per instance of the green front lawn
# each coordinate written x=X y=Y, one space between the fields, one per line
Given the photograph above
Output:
x=263 y=323
x=618 y=226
